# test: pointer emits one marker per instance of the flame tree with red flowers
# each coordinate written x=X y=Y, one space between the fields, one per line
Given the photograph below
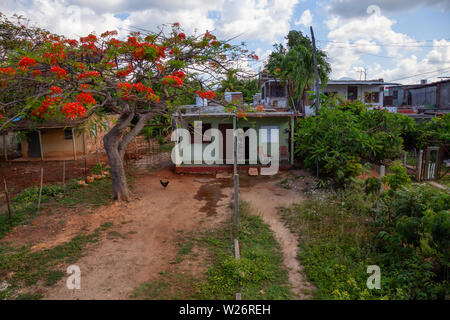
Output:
x=45 y=76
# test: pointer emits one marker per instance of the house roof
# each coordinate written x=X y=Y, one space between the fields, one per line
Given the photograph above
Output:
x=28 y=124
x=249 y=115
x=360 y=82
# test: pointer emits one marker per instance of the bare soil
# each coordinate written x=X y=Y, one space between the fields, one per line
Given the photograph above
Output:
x=142 y=240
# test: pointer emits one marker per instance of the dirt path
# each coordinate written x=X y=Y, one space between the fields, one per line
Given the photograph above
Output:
x=113 y=268
x=265 y=197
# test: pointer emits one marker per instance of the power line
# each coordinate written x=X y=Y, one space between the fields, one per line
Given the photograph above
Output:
x=419 y=74
x=392 y=44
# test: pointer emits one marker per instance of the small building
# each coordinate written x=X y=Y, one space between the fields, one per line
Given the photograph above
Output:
x=215 y=116
x=422 y=100
x=371 y=92
x=57 y=139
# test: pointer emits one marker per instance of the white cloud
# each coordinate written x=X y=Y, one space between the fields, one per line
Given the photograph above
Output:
x=305 y=19
x=264 y=20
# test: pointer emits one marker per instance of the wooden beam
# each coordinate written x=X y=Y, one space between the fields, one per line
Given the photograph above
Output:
x=73 y=145
x=40 y=144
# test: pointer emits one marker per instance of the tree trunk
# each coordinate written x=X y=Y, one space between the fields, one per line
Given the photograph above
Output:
x=111 y=143
x=115 y=143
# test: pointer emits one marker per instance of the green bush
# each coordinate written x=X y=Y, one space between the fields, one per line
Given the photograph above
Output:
x=337 y=140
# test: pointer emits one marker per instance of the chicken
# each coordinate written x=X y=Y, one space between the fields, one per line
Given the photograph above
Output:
x=164 y=183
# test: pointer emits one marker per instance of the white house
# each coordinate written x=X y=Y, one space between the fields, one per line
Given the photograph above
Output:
x=368 y=91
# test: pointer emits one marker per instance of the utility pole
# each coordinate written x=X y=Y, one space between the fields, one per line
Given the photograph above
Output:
x=316 y=82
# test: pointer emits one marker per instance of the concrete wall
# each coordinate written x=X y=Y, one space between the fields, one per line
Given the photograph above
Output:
x=54 y=144
x=12 y=145
x=256 y=123
x=341 y=89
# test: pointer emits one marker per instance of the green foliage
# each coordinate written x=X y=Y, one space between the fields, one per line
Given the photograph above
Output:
x=338 y=139
x=231 y=83
x=159 y=127
x=409 y=241
x=438 y=129
x=414 y=240
x=398 y=178
x=296 y=64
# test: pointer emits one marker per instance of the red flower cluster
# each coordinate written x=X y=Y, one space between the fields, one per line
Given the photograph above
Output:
x=73 y=110
x=125 y=86
x=260 y=108
x=205 y=94
x=209 y=36
x=89 y=43
x=72 y=42
x=55 y=54
x=89 y=38
x=60 y=72
x=241 y=114
x=89 y=74
x=253 y=56
x=86 y=98
x=124 y=72
x=144 y=50
x=179 y=74
x=84 y=86
x=109 y=33
x=26 y=62
x=111 y=64
x=43 y=108
x=181 y=36
x=173 y=81
x=35 y=73
x=55 y=90
x=115 y=43
x=7 y=71
x=127 y=89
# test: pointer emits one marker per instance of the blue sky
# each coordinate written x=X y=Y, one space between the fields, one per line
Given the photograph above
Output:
x=384 y=40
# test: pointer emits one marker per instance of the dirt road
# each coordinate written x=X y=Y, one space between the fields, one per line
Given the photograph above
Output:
x=265 y=197
x=112 y=269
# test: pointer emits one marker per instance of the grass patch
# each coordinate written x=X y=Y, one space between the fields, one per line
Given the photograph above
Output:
x=259 y=274
x=22 y=267
x=334 y=247
x=341 y=234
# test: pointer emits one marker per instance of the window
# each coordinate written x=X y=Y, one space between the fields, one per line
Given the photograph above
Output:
x=371 y=97
x=276 y=90
x=352 y=93
x=68 y=134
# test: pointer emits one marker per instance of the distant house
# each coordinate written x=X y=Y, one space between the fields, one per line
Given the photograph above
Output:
x=55 y=139
x=276 y=115
x=370 y=92
x=422 y=100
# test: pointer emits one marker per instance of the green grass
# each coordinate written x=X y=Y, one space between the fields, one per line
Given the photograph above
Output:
x=445 y=180
x=334 y=247
x=259 y=274
x=24 y=268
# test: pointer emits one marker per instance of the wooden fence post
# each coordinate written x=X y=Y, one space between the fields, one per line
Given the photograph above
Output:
x=419 y=166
